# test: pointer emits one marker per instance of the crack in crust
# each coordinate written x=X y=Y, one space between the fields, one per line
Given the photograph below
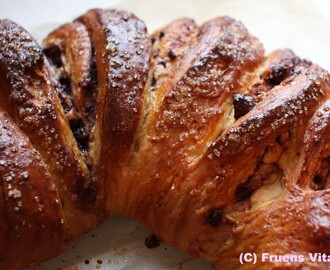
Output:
x=191 y=131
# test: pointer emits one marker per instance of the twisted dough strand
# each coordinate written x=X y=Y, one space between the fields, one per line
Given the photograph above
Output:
x=192 y=132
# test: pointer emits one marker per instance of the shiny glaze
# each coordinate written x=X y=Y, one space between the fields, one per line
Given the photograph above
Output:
x=164 y=145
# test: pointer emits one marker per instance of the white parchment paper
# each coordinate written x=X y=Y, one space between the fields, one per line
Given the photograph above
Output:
x=302 y=25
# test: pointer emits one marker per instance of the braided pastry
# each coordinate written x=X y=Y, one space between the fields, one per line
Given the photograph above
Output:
x=191 y=131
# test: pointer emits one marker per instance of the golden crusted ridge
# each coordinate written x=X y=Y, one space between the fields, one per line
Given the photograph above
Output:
x=192 y=131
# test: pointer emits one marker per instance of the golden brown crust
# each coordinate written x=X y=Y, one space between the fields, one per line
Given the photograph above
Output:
x=31 y=205
x=122 y=52
x=28 y=96
x=191 y=131
x=190 y=115
x=70 y=52
x=289 y=225
x=223 y=168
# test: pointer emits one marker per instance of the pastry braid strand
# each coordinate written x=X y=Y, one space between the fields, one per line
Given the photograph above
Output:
x=191 y=131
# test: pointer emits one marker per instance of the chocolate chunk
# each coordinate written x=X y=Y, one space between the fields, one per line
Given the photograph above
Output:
x=163 y=63
x=171 y=55
x=80 y=134
x=88 y=191
x=262 y=172
x=153 y=81
x=63 y=90
x=161 y=34
x=277 y=75
x=152 y=241
x=53 y=54
x=66 y=84
x=320 y=182
x=243 y=192
x=243 y=104
x=214 y=217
